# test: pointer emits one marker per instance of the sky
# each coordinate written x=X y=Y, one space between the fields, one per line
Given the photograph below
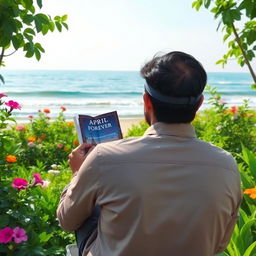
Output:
x=124 y=34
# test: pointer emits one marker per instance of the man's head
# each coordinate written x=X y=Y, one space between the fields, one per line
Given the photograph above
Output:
x=174 y=85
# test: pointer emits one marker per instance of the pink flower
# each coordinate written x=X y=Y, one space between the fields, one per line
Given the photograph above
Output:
x=31 y=144
x=13 y=104
x=19 y=183
x=30 y=116
x=20 y=127
x=221 y=102
x=37 y=179
x=59 y=145
x=2 y=95
x=6 y=235
x=19 y=235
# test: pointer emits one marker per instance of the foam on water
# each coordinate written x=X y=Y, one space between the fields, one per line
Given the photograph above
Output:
x=96 y=92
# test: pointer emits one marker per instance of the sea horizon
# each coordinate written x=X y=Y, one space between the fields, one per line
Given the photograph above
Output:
x=95 y=92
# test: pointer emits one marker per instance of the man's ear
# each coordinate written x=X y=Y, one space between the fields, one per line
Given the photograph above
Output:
x=147 y=101
x=201 y=100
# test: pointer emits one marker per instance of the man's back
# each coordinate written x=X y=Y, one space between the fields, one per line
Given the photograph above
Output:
x=166 y=193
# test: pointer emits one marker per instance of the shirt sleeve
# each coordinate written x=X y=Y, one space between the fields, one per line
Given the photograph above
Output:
x=79 y=197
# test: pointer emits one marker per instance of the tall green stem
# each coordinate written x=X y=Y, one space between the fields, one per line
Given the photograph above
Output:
x=247 y=62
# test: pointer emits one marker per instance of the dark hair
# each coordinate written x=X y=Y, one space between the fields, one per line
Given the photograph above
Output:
x=175 y=74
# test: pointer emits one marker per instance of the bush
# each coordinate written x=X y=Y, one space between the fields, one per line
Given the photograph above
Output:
x=29 y=189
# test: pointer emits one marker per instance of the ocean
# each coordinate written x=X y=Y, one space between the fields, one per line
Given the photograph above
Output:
x=97 y=92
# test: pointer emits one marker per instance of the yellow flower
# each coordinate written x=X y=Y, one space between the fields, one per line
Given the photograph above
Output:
x=11 y=159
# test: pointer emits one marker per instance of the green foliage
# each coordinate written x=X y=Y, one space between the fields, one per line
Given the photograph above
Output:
x=39 y=147
x=242 y=37
x=20 y=22
x=227 y=127
x=137 y=130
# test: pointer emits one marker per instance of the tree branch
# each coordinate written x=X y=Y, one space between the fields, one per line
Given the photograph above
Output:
x=243 y=52
x=1 y=56
x=7 y=55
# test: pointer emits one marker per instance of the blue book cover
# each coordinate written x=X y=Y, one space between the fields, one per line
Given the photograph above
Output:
x=98 y=129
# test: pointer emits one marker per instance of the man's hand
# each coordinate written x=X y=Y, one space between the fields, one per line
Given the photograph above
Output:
x=78 y=155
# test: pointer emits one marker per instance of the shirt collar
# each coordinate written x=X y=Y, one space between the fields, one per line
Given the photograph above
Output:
x=179 y=130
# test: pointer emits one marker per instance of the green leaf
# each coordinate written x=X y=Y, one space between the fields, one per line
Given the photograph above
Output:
x=250 y=159
x=30 y=31
x=39 y=3
x=16 y=43
x=39 y=47
x=246 y=233
x=57 y=18
x=2 y=79
x=38 y=54
x=58 y=25
x=207 y=3
x=249 y=249
x=45 y=29
x=253 y=86
x=27 y=19
x=65 y=25
x=44 y=237
x=51 y=26
x=64 y=17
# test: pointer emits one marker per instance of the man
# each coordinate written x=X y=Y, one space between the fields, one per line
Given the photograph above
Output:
x=165 y=193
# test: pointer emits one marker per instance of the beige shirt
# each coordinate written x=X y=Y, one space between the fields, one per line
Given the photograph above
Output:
x=166 y=193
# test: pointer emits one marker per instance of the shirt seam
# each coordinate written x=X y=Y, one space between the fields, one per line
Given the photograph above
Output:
x=174 y=163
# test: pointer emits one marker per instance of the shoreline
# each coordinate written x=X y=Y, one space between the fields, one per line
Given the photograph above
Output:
x=126 y=123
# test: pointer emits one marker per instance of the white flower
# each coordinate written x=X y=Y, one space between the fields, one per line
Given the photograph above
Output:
x=218 y=128
x=54 y=166
x=46 y=184
x=53 y=171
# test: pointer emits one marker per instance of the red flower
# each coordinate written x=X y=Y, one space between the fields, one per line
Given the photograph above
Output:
x=19 y=183
x=63 y=108
x=13 y=104
x=6 y=235
x=47 y=111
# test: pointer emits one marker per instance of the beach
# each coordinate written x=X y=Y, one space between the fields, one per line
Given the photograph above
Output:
x=126 y=123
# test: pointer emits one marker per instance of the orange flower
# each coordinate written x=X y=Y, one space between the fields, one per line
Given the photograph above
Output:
x=70 y=123
x=47 y=111
x=31 y=139
x=63 y=108
x=234 y=110
x=251 y=192
x=11 y=159
x=65 y=148
x=75 y=142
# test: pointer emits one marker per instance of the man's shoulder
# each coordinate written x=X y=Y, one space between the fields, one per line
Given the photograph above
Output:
x=218 y=154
